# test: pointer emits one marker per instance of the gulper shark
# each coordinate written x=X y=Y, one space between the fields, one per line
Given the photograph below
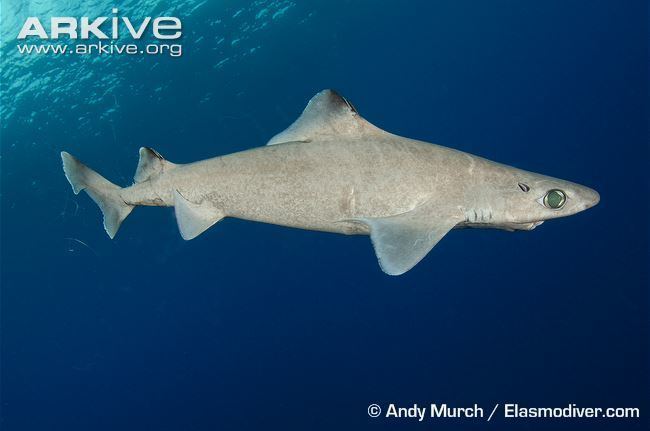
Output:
x=333 y=171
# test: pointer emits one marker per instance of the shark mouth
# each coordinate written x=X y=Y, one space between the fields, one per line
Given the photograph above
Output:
x=527 y=226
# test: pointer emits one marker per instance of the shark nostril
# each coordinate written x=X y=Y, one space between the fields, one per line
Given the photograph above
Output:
x=596 y=198
x=589 y=199
x=592 y=198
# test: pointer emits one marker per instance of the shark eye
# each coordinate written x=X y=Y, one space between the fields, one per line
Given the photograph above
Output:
x=555 y=199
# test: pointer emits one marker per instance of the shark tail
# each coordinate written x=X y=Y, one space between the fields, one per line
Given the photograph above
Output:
x=105 y=194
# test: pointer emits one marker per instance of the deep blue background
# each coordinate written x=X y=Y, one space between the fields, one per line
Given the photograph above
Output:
x=255 y=326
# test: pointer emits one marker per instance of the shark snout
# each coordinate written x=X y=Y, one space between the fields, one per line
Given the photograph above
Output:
x=591 y=198
x=587 y=198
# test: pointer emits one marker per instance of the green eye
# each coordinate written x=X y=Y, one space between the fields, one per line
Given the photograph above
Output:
x=555 y=199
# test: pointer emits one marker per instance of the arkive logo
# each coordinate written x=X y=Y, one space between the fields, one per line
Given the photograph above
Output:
x=166 y=27
x=103 y=29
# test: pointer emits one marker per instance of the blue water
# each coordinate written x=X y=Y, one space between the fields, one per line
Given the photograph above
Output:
x=253 y=326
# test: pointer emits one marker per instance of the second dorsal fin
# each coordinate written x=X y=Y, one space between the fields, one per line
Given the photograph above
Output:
x=327 y=114
x=151 y=165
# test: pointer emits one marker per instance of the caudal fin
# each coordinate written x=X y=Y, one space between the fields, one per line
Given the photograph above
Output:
x=105 y=194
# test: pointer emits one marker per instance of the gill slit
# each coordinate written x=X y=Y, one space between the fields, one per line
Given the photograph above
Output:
x=479 y=215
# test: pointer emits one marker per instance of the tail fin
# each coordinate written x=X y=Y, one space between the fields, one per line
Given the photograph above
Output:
x=105 y=194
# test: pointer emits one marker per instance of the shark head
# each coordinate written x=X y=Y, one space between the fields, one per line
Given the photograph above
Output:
x=532 y=199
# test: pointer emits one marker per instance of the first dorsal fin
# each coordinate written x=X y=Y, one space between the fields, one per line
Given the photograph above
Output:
x=327 y=114
x=151 y=165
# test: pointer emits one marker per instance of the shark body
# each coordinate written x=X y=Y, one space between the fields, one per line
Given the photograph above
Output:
x=333 y=171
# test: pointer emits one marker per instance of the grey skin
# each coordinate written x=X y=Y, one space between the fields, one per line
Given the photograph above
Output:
x=333 y=171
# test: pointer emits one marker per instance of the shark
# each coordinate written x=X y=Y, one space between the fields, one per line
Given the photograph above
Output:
x=333 y=171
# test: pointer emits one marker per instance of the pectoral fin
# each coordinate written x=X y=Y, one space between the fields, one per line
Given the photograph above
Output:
x=403 y=240
x=194 y=218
